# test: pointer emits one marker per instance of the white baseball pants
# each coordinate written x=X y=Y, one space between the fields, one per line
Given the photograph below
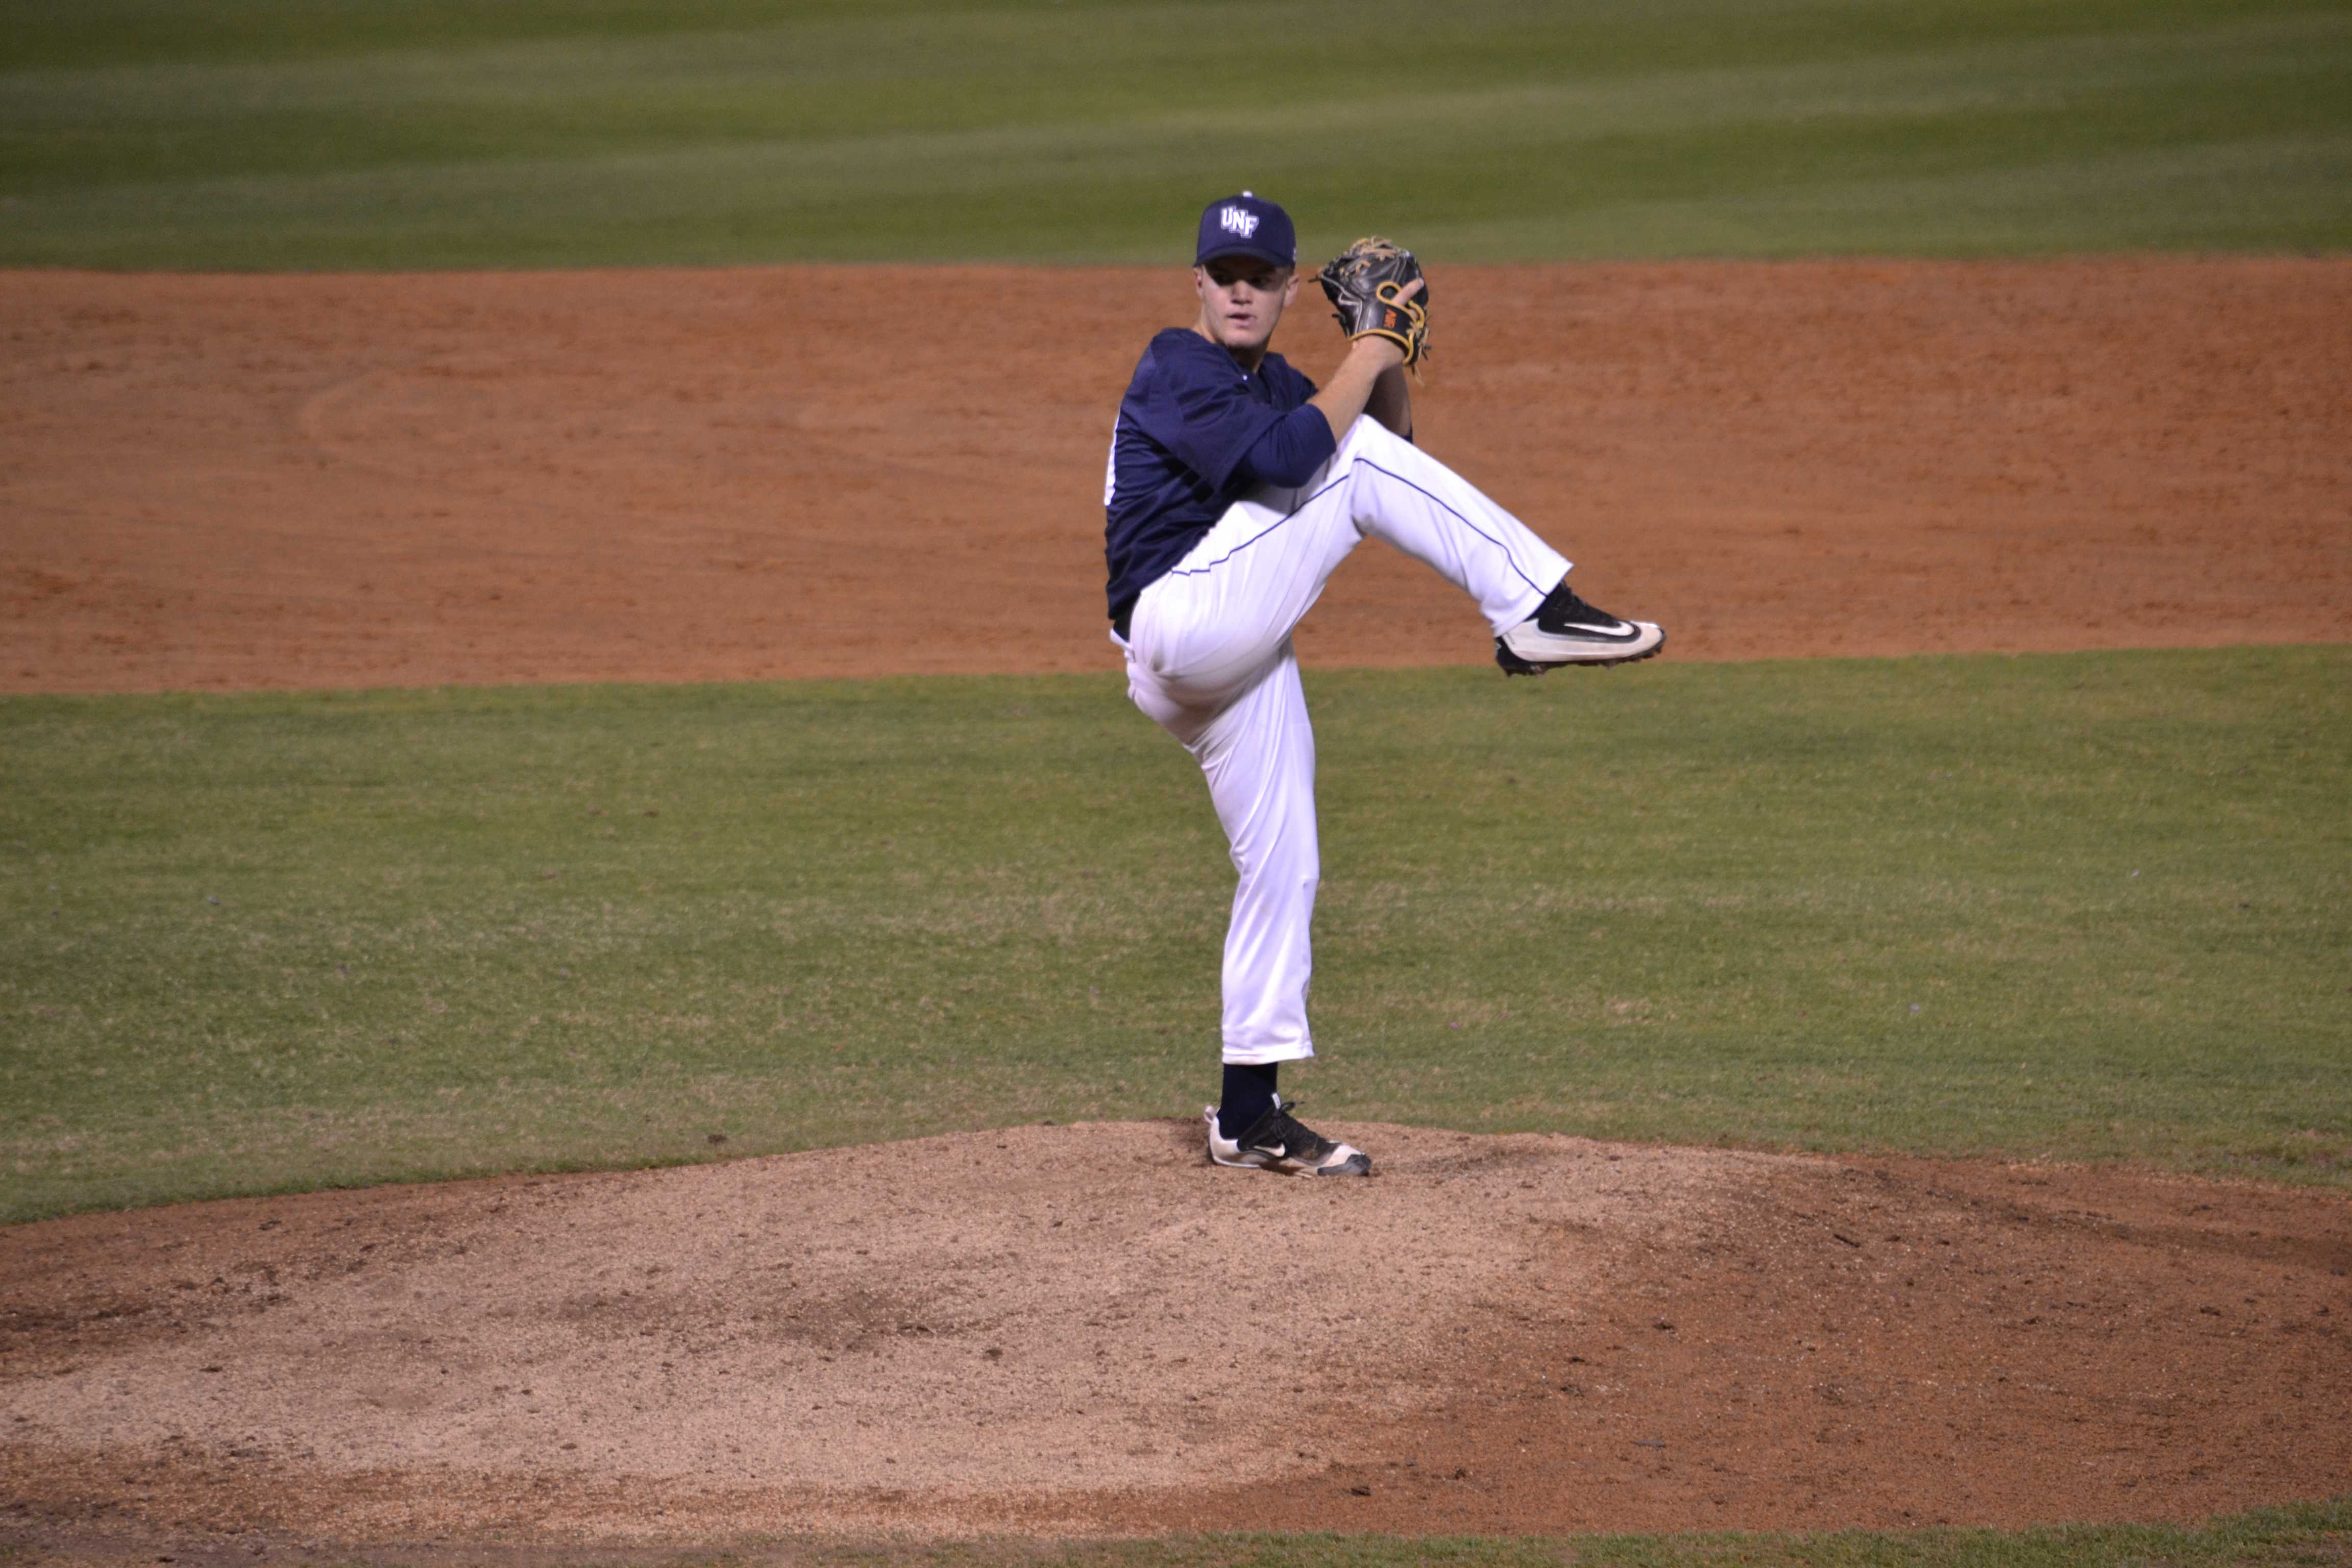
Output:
x=1209 y=658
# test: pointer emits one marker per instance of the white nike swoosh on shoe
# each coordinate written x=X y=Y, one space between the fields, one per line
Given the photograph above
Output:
x=1620 y=630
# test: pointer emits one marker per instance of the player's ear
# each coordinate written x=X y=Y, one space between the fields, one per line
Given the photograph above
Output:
x=1290 y=288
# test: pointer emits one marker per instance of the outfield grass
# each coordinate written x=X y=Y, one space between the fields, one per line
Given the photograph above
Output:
x=329 y=134
x=2303 y=1535
x=2311 y=1534
x=2091 y=906
x=2314 y=1533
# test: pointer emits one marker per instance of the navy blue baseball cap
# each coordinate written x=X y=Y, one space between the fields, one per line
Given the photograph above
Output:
x=1247 y=225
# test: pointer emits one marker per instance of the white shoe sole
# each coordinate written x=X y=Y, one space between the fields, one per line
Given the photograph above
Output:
x=1549 y=649
x=1355 y=1163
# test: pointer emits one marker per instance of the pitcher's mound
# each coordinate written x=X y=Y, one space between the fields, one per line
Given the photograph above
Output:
x=1086 y=1329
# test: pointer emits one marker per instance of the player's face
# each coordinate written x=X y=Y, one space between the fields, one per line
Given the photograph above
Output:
x=1242 y=298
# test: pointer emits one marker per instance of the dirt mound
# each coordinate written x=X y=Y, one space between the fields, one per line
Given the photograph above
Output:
x=1088 y=1329
x=224 y=482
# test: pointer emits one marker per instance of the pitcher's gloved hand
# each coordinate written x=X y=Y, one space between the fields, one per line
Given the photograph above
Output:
x=1365 y=284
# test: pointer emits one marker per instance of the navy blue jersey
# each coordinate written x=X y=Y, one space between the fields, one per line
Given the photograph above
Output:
x=1178 y=454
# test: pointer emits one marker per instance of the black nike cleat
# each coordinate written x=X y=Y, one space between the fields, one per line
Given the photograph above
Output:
x=1566 y=630
x=1279 y=1142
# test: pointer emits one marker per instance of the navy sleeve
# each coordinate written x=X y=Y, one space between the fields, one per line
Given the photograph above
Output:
x=1290 y=450
x=1200 y=410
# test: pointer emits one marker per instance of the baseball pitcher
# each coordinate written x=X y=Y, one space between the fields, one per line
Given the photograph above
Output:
x=1235 y=488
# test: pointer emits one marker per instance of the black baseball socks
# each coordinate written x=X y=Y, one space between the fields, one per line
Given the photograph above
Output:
x=1249 y=1094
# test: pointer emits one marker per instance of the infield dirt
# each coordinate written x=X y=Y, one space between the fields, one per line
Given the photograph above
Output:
x=224 y=482
x=217 y=483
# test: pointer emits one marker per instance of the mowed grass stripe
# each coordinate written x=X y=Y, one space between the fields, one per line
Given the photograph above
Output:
x=106 y=32
x=2083 y=907
x=1058 y=134
x=814 y=84
x=2214 y=197
x=1484 y=41
x=2299 y=1535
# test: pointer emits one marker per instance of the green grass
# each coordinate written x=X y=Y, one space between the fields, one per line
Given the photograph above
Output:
x=2303 y=1535
x=329 y=134
x=2092 y=906
x=2311 y=1534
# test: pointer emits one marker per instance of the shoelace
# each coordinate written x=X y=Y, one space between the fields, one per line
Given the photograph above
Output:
x=1298 y=1140
x=1565 y=607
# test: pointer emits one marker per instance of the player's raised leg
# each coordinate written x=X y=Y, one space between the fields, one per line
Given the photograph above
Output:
x=1211 y=624
x=1400 y=493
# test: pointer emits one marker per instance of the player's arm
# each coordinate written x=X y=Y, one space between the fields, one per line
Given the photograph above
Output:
x=1352 y=386
x=1391 y=401
x=1370 y=380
